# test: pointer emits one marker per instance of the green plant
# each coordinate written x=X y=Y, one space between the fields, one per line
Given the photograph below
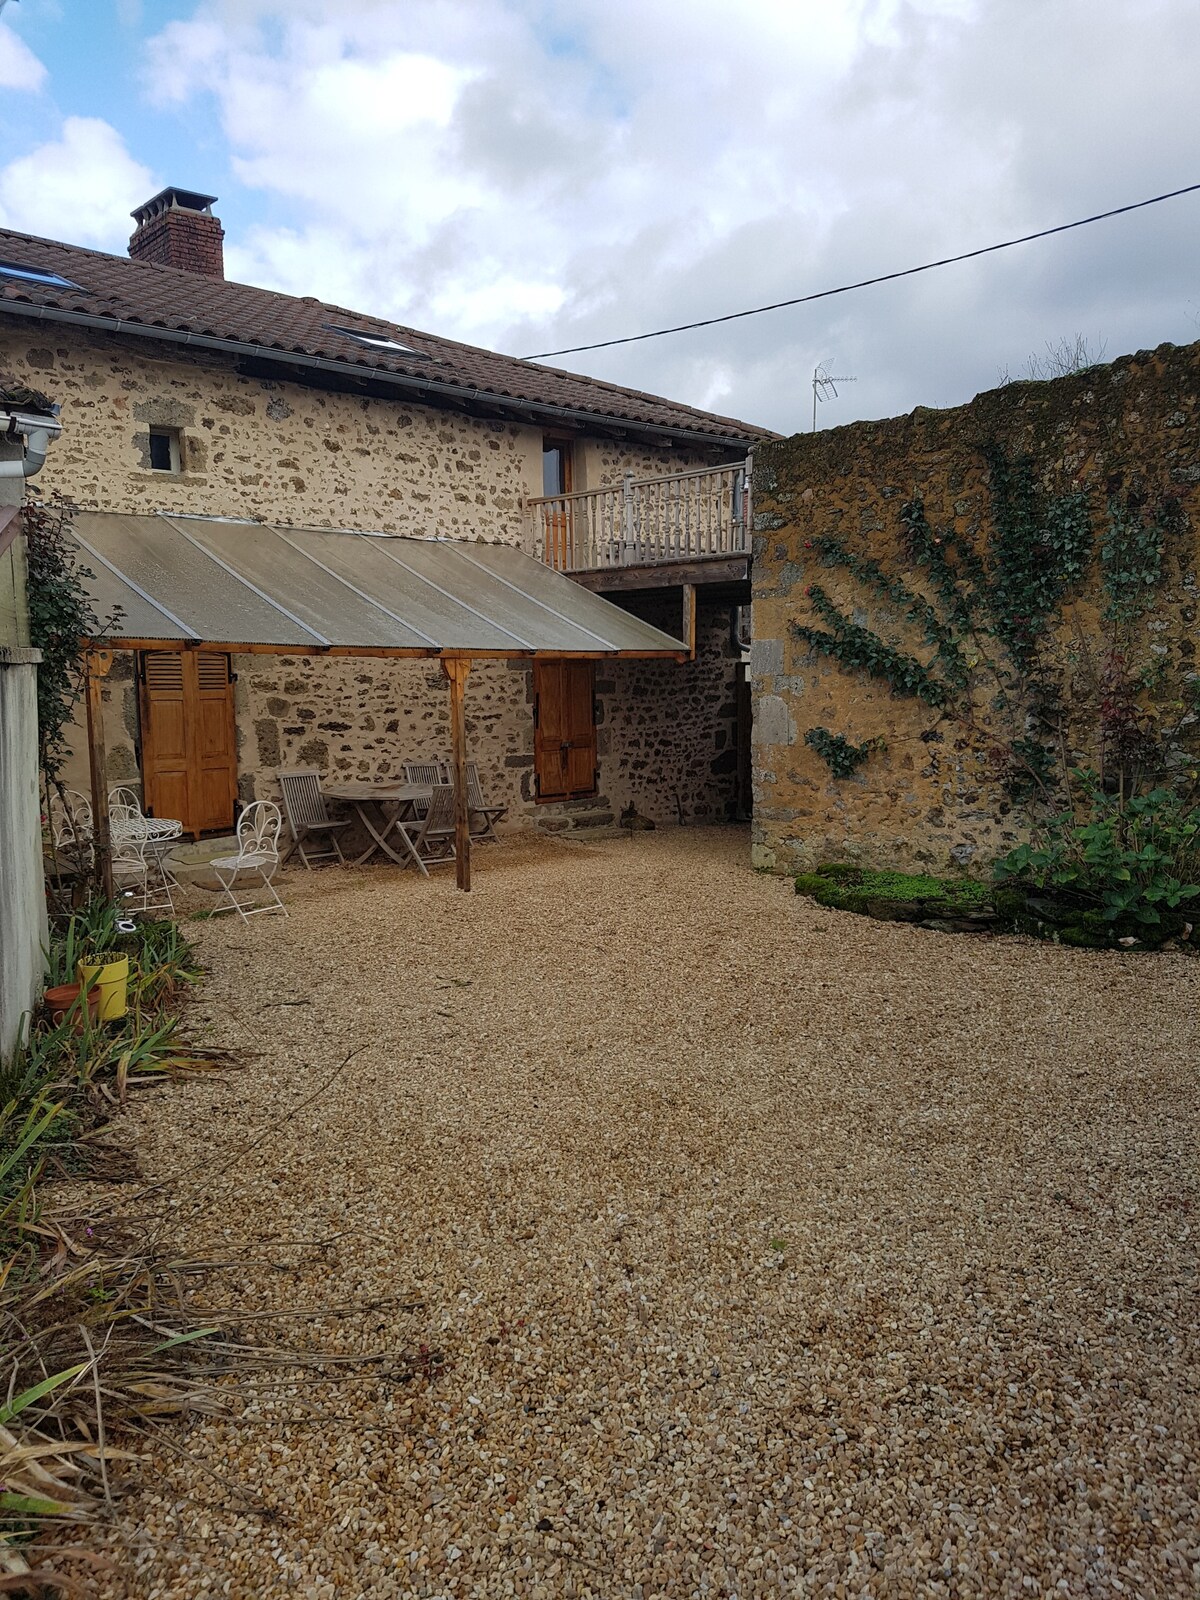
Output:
x=856 y=647
x=841 y=757
x=896 y=896
x=997 y=661
x=1128 y=860
x=61 y=618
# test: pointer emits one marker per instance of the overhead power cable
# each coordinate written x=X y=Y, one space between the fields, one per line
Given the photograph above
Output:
x=865 y=283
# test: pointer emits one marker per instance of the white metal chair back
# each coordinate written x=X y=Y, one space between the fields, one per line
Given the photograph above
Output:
x=122 y=795
x=258 y=831
x=70 y=817
x=258 y=852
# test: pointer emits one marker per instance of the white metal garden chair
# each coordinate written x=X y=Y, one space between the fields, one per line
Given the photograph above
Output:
x=138 y=872
x=257 y=857
x=308 y=816
x=70 y=816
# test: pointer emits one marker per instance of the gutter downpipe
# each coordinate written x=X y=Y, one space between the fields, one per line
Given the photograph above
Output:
x=39 y=433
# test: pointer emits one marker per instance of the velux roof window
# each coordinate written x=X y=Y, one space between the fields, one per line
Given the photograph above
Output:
x=377 y=341
x=13 y=269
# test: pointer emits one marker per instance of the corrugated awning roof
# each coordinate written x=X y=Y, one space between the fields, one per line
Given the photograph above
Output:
x=217 y=581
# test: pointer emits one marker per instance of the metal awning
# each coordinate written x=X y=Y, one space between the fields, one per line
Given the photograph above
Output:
x=185 y=581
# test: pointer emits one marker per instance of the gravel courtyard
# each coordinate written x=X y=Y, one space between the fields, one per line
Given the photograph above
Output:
x=755 y=1250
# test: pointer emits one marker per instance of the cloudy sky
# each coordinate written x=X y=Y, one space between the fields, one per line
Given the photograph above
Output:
x=528 y=174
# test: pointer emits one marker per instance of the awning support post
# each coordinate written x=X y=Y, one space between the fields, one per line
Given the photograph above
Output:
x=456 y=669
x=96 y=668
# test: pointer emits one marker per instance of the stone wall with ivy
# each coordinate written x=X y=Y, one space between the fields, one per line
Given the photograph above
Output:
x=955 y=608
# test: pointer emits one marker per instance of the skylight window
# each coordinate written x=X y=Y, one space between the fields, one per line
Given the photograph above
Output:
x=377 y=341
x=13 y=269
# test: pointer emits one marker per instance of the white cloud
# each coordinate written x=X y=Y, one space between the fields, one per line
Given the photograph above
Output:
x=83 y=185
x=536 y=173
x=19 y=67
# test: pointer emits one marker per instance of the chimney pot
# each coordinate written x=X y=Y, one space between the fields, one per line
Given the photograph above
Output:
x=176 y=228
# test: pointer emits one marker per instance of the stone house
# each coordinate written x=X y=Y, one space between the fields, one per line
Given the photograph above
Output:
x=186 y=396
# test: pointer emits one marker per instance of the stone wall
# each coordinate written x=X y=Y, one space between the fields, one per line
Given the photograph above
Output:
x=665 y=738
x=282 y=451
x=933 y=798
x=295 y=454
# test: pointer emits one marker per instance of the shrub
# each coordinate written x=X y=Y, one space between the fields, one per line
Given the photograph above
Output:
x=1114 y=867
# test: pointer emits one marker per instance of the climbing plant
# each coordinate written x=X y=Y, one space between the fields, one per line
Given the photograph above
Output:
x=61 y=617
x=987 y=619
x=841 y=757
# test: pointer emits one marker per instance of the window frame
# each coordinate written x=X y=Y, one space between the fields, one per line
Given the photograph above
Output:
x=174 y=449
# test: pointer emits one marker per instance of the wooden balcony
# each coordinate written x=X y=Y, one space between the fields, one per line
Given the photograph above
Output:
x=686 y=518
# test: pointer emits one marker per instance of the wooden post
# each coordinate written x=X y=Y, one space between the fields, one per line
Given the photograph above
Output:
x=96 y=667
x=456 y=669
x=689 y=619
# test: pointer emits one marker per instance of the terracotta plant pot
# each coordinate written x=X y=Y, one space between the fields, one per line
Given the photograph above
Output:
x=63 y=996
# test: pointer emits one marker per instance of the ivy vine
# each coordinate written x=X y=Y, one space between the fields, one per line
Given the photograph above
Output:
x=856 y=647
x=61 y=617
x=995 y=609
x=1131 y=553
x=841 y=757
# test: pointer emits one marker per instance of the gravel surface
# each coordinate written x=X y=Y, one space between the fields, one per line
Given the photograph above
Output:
x=755 y=1249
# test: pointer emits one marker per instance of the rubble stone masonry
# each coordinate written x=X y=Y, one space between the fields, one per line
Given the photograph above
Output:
x=928 y=800
x=287 y=453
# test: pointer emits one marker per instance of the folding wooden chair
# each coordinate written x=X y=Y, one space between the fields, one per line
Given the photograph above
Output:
x=424 y=773
x=307 y=814
x=435 y=840
x=483 y=817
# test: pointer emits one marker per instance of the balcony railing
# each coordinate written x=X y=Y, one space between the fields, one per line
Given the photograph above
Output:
x=645 y=521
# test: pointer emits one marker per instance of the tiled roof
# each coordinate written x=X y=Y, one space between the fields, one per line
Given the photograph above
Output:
x=144 y=298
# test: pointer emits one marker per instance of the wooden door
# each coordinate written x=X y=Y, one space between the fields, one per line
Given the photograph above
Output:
x=189 y=748
x=558 y=479
x=565 y=729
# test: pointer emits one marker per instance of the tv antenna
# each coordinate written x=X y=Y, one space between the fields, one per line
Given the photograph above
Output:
x=825 y=386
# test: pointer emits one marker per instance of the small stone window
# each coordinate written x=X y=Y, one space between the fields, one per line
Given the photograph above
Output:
x=165 y=454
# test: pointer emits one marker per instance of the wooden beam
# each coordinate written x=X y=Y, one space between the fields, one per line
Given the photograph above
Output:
x=96 y=667
x=456 y=670
x=703 y=572
x=370 y=652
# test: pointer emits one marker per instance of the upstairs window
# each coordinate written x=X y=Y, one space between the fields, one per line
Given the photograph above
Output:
x=557 y=477
x=164 y=449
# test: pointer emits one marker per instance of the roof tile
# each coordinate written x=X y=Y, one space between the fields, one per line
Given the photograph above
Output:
x=156 y=296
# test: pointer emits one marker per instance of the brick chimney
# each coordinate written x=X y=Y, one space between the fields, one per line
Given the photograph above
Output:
x=177 y=229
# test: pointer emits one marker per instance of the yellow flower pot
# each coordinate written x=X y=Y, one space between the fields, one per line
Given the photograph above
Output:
x=110 y=980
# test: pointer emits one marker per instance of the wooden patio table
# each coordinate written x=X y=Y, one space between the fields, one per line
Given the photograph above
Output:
x=383 y=809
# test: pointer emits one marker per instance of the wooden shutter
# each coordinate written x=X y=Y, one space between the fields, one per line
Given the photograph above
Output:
x=189 y=749
x=164 y=736
x=565 y=735
x=215 y=755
